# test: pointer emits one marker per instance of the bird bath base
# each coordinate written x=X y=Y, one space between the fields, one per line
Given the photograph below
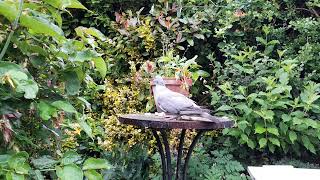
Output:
x=161 y=124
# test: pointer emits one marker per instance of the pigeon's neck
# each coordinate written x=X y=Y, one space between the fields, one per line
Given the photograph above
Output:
x=159 y=88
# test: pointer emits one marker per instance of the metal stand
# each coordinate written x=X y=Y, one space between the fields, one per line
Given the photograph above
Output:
x=181 y=170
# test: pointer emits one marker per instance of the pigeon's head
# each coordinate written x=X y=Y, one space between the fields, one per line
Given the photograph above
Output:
x=158 y=81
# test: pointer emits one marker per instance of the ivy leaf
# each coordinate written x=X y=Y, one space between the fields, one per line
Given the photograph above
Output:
x=273 y=131
x=94 y=163
x=101 y=66
x=274 y=141
x=292 y=136
x=65 y=106
x=69 y=172
x=262 y=142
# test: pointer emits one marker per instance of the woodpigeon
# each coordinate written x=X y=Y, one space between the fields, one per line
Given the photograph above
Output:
x=175 y=103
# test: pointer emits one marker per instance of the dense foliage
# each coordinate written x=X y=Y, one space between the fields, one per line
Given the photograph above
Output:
x=69 y=68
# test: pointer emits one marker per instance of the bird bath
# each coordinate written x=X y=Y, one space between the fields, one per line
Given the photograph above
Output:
x=163 y=123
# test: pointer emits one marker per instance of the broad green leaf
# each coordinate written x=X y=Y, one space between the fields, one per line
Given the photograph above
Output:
x=35 y=24
x=101 y=66
x=260 y=129
x=44 y=162
x=69 y=172
x=65 y=106
x=85 y=55
x=45 y=110
x=273 y=130
x=274 y=141
x=18 y=159
x=94 y=163
x=14 y=176
x=90 y=31
x=283 y=128
x=93 y=175
x=23 y=168
x=72 y=82
x=292 y=136
x=307 y=143
x=285 y=117
x=262 y=142
x=62 y=4
x=70 y=157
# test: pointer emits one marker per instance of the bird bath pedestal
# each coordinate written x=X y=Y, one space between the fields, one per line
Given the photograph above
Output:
x=163 y=123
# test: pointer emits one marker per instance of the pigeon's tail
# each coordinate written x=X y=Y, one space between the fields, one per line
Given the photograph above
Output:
x=200 y=113
x=209 y=116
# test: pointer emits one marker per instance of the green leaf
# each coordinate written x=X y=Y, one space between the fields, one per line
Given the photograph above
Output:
x=260 y=129
x=13 y=176
x=38 y=175
x=190 y=42
x=283 y=128
x=90 y=31
x=18 y=159
x=85 y=126
x=44 y=162
x=94 y=163
x=65 y=106
x=273 y=130
x=224 y=108
x=62 y=4
x=70 y=157
x=73 y=83
x=45 y=110
x=292 y=136
x=93 y=175
x=262 y=142
x=307 y=143
x=101 y=66
x=23 y=168
x=251 y=144
x=37 y=24
x=285 y=117
x=199 y=36
x=274 y=141
x=69 y=172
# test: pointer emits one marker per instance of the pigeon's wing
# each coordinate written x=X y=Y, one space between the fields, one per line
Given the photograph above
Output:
x=173 y=102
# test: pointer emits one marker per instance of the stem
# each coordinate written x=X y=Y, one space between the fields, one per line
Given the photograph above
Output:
x=14 y=27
